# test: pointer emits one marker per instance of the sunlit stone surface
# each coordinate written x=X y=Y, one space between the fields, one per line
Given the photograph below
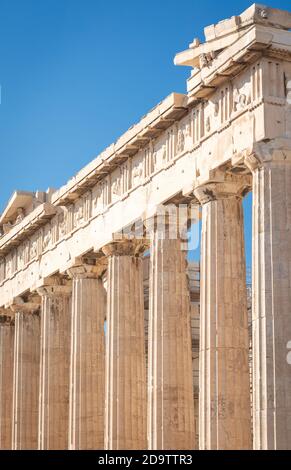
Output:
x=98 y=309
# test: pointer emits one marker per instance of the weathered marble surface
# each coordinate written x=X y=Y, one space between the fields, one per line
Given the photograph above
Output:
x=230 y=134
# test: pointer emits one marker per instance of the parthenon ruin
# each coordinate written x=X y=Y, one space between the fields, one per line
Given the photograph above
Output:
x=98 y=304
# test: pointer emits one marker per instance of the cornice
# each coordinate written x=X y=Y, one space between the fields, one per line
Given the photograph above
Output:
x=28 y=225
x=173 y=108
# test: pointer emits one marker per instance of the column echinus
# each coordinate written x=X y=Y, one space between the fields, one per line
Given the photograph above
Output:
x=125 y=403
x=224 y=380
x=6 y=378
x=26 y=375
x=171 y=420
x=87 y=362
x=271 y=168
x=54 y=366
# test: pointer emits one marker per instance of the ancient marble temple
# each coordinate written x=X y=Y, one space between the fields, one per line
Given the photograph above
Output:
x=102 y=320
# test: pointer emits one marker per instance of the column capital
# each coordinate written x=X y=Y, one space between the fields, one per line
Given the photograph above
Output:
x=6 y=316
x=216 y=190
x=125 y=247
x=264 y=153
x=82 y=270
x=28 y=307
x=171 y=222
x=54 y=290
x=56 y=285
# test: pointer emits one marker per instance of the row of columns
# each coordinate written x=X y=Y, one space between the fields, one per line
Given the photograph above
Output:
x=80 y=382
x=93 y=390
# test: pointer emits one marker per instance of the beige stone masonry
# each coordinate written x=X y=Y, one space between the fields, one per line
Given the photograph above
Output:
x=230 y=134
x=171 y=422
x=54 y=367
x=224 y=401
x=232 y=103
x=6 y=380
x=125 y=405
x=86 y=412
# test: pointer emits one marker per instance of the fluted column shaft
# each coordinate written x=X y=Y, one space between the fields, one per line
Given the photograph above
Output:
x=54 y=368
x=6 y=381
x=272 y=302
x=224 y=382
x=26 y=381
x=87 y=369
x=171 y=420
x=125 y=408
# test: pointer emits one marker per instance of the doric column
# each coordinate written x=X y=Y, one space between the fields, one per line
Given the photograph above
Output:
x=26 y=377
x=87 y=369
x=6 y=380
x=271 y=297
x=224 y=400
x=125 y=404
x=171 y=420
x=54 y=367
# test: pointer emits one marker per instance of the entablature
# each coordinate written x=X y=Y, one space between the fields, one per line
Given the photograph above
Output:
x=138 y=136
x=216 y=125
x=174 y=148
x=21 y=205
x=26 y=227
x=234 y=44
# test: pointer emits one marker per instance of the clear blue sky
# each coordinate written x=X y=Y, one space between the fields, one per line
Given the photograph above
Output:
x=75 y=74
